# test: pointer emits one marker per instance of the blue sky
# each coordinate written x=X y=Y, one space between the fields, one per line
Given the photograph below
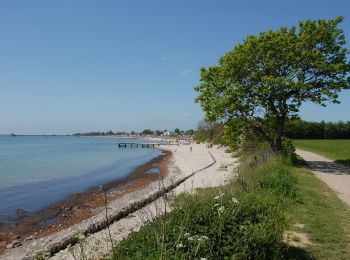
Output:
x=69 y=66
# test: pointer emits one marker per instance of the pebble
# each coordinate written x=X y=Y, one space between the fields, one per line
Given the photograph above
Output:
x=13 y=244
x=29 y=238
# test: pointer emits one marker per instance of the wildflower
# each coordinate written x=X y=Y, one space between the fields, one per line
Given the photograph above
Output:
x=187 y=234
x=205 y=237
x=234 y=200
x=216 y=205
x=216 y=198
x=179 y=245
x=222 y=194
x=221 y=209
x=241 y=227
x=190 y=238
x=80 y=236
x=203 y=258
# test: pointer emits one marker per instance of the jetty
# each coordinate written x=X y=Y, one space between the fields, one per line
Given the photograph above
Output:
x=142 y=145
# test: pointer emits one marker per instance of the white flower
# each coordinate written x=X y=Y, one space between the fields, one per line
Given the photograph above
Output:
x=216 y=198
x=216 y=205
x=203 y=258
x=190 y=238
x=222 y=194
x=234 y=200
x=179 y=245
x=205 y=237
x=187 y=234
x=221 y=209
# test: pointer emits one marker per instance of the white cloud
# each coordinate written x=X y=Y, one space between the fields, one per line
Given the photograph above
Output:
x=185 y=72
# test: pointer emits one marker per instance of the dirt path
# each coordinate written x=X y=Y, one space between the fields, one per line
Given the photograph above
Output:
x=335 y=175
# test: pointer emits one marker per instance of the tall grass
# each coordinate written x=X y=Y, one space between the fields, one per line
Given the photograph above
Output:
x=243 y=220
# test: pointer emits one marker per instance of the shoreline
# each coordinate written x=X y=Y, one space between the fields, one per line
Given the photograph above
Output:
x=190 y=167
x=81 y=206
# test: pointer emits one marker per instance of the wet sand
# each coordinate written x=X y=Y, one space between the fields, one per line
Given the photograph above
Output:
x=81 y=206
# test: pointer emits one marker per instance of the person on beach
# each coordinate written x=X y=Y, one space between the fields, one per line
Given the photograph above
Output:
x=191 y=148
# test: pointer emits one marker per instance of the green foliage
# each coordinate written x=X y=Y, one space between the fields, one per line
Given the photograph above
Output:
x=243 y=220
x=158 y=132
x=299 y=129
x=147 y=132
x=264 y=171
x=209 y=132
x=189 y=132
x=265 y=79
x=250 y=228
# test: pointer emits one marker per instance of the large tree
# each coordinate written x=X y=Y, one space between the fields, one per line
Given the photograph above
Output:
x=264 y=80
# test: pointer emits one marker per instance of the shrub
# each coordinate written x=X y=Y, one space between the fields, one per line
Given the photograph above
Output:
x=248 y=226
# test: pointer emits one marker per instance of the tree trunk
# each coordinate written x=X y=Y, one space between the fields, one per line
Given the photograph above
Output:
x=277 y=143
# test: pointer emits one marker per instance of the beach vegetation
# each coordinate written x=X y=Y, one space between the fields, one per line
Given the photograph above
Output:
x=274 y=209
x=264 y=80
x=245 y=219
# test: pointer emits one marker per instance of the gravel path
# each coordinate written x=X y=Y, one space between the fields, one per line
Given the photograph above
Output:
x=335 y=175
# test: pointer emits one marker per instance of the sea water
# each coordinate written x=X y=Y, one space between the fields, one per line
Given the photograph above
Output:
x=37 y=171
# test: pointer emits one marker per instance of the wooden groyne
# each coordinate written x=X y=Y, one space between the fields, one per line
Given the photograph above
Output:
x=142 y=145
x=124 y=212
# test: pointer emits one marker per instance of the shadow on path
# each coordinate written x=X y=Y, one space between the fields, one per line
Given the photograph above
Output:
x=329 y=167
x=346 y=162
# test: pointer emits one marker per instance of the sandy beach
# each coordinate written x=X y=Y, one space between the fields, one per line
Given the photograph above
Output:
x=187 y=169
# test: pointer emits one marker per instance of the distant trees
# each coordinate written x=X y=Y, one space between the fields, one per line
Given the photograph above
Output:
x=189 y=132
x=176 y=132
x=158 y=132
x=209 y=131
x=264 y=80
x=147 y=132
x=299 y=129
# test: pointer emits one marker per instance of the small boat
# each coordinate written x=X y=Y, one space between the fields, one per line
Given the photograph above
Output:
x=13 y=134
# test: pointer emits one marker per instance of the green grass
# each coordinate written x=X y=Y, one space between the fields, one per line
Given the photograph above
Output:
x=335 y=149
x=325 y=216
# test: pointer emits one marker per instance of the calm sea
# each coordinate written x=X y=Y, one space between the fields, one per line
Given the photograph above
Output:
x=37 y=171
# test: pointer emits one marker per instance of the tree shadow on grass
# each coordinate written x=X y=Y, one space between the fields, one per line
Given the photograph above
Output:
x=298 y=253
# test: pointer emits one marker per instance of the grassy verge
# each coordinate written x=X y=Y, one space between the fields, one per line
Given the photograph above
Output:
x=322 y=216
x=249 y=219
x=338 y=150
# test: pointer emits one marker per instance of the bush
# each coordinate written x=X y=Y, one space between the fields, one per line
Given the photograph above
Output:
x=243 y=220
x=248 y=226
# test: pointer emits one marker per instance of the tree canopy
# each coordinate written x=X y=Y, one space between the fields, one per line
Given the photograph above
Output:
x=264 y=80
